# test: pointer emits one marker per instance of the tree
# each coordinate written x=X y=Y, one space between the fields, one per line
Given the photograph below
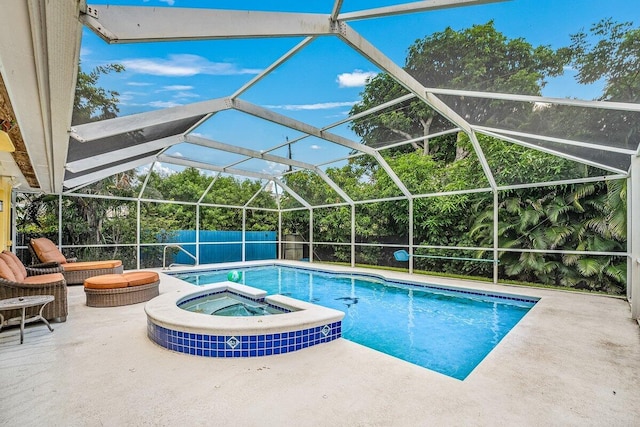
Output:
x=86 y=220
x=92 y=102
x=478 y=58
x=610 y=52
x=614 y=56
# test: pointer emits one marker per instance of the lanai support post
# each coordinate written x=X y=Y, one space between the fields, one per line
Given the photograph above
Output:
x=310 y=235
x=279 y=234
x=353 y=235
x=138 y=228
x=198 y=233
x=244 y=234
x=495 y=236
x=633 y=238
x=410 y=234
x=60 y=221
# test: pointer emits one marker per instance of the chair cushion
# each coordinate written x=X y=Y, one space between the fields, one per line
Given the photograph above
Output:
x=6 y=272
x=106 y=281
x=17 y=271
x=91 y=265
x=47 y=251
x=43 y=278
x=139 y=278
x=17 y=261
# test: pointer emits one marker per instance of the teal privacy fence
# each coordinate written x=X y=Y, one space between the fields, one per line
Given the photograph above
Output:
x=225 y=246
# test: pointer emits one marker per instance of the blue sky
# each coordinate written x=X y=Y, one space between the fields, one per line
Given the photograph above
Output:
x=322 y=82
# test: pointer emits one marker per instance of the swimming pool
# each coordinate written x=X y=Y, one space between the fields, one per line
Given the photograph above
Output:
x=443 y=329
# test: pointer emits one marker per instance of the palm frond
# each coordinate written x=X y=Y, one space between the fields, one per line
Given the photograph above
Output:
x=617 y=272
x=590 y=266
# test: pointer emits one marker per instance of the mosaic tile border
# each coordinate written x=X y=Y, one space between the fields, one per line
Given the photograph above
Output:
x=242 y=345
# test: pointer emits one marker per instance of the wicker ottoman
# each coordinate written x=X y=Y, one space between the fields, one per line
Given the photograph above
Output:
x=112 y=290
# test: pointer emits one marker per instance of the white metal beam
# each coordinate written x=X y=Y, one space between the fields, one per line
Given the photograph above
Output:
x=419 y=6
x=605 y=105
x=372 y=110
x=633 y=281
x=124 y=153
x=562 y=182
x=205 y=142
x=272 y=67
x=262 y=188
x=373 y=54
x=116 y=126
x=552 y=152
x=337 y=5
x=200 y=165
x=295 y=195
x=181 y=161
x=268 y=157
x=127 y=24
x=206 y=191
x=596 y=146
x=280 y=119
x=104 y=173
x=418 y=139
x=369 y=51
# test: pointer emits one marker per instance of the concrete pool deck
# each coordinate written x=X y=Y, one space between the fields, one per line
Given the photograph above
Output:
x=573 y=360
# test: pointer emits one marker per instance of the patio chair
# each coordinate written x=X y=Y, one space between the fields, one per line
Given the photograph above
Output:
x=44 y=250
x=16 y=280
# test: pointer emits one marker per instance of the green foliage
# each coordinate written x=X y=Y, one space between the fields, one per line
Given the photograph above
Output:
x=571 y=218
x=478 y=58
x=611 y=52
x=92 y=102
x=585 y=217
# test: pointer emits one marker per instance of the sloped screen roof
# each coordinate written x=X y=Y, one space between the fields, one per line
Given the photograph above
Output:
x=599 y=134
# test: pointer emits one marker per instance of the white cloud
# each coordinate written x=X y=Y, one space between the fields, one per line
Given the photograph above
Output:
x=133 y=93
x=139 y=84
x=84 y=51
x=319 y=106
x=184 y=65
x=176 y=87
x=169 y=2
x=159 y=168
x=182 y=95
x=274 y=168
x=163 y=104
x=357 y=78
x=316 y=147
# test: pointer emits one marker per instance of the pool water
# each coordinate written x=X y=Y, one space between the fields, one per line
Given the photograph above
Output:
x=228 y=304
x=443 y=330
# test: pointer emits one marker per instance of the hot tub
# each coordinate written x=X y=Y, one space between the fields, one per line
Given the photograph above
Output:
x=231 y=302
x=297 y=326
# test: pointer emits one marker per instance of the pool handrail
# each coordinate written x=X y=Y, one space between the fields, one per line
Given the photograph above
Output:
x=174 y=245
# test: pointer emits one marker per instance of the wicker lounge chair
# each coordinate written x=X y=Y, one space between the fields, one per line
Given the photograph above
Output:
x=16 y=280
x=75 y=273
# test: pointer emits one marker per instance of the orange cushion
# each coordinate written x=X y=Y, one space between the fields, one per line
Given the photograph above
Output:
x=17 y=271
x=47 y=251
x=139 y=278
x=91 y=265
x=17 y=261
x=43 y=278
x=106 y=281
x=6 y=272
